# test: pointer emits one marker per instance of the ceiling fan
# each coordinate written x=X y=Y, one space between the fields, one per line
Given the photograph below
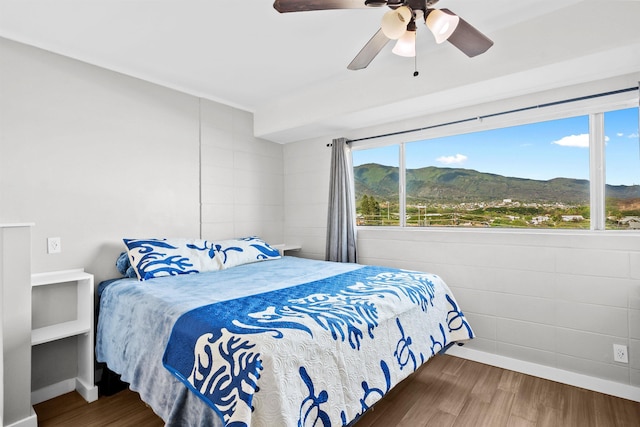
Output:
x=400 y=24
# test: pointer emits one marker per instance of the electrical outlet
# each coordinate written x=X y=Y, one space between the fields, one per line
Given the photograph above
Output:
x=620 y=353
x=53 y=245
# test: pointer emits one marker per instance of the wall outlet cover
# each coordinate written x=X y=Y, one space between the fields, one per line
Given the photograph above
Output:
x=620 y=353
x=54 y=245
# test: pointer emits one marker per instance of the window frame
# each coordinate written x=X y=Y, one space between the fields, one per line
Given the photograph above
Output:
x=594 y=108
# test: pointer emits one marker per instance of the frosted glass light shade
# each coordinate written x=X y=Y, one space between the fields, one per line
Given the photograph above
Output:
x=441 y=24
x=406 y=45
x=394 y=22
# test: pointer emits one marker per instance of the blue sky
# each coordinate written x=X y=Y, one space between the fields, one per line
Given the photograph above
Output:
x=545 y=150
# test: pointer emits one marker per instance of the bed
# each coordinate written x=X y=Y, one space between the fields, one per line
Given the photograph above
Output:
x=284 y=341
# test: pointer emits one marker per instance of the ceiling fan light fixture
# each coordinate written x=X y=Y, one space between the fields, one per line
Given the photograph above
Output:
x=441 y=24
x=406 y=45
x=394 y=22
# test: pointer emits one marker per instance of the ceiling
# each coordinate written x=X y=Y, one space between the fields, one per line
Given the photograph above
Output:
x=290 y=70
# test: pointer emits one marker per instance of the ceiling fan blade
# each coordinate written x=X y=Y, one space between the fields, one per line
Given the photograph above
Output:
x=468 y=39
x=369 y=51
x=284 y=6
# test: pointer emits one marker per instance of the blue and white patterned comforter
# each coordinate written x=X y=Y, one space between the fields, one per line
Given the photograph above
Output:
x=284 y=342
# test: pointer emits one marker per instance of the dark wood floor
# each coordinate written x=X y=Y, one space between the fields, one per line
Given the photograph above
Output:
x=447 y=391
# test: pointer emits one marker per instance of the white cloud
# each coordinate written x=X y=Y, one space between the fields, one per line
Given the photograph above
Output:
x=581 y=141
x=633 y=135
x=450 y=160
x=619 y=134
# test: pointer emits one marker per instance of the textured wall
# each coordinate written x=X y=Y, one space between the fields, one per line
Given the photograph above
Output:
x=557 y=299
x=93 y=156
x=242 y=177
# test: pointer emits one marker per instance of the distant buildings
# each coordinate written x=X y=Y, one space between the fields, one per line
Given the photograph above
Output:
x=570 y=218
x=537 y=220
x=632 y=222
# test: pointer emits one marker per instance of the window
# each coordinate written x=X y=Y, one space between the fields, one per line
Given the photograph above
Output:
x=376 y=179
x=532 y=175
x=622 y=154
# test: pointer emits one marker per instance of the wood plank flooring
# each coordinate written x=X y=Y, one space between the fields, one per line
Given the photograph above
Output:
x=447 y=391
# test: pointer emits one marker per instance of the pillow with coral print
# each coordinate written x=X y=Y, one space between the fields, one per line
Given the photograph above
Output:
x=152 y=258
x=236 y=252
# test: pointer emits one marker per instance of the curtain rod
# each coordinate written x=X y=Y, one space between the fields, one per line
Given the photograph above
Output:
x=517 y=110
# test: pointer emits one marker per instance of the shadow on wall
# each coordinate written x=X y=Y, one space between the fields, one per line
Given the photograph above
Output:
x=102 y=263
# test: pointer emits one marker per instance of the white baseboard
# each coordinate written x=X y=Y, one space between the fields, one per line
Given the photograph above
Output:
x=88 y=392
x=53 y=390
x=30 y=421
x=612 y=388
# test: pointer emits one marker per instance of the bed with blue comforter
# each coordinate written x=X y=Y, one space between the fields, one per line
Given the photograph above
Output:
x=284 y=342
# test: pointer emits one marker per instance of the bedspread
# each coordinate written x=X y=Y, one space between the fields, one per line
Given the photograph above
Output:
x=137 y=318
x=319 y=353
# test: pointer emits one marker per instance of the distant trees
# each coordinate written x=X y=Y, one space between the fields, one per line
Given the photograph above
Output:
x=423 y=213
x=369 y=205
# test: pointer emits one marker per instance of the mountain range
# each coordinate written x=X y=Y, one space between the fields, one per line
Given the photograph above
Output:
x=455 y=185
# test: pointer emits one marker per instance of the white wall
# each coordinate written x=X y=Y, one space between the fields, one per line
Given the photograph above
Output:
x=557 y=299
x=306 y=184
x=242 y=177
x=93 y=156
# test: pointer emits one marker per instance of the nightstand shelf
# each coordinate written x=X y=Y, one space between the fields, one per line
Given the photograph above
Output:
x=58 y=331
x=284 y=247
x=82 y=327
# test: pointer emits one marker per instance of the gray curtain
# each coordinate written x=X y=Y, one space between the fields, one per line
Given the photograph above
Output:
x=341 y=222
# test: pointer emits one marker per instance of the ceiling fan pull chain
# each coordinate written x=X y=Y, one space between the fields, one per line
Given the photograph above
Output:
x=415 y=65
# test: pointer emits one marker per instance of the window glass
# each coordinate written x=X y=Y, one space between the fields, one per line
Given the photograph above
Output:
x=622 y=154
x=528 y=176
x=377 y=186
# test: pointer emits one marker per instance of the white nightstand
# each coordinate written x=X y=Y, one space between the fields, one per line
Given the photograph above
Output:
x=82 y=327
x=284 y=247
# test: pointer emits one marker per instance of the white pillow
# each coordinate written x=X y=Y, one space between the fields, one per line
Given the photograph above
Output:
x=244 y=251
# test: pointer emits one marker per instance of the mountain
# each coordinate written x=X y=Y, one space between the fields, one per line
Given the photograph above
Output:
x=455 y=185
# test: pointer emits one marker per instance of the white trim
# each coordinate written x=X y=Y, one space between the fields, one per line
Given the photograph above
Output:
x=89 y=393
x=30 y=421
x=17 y=224
x=597 y=171
x=600 y=385
x=402 y=183
x=53 y=390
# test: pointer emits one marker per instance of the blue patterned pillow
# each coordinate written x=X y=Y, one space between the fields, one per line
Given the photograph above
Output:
x=151 y=258
x=169 y=257
x=124 y=265
x=244 y=251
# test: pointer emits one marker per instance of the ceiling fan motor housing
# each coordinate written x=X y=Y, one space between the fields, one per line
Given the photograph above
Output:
x=375 y=3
